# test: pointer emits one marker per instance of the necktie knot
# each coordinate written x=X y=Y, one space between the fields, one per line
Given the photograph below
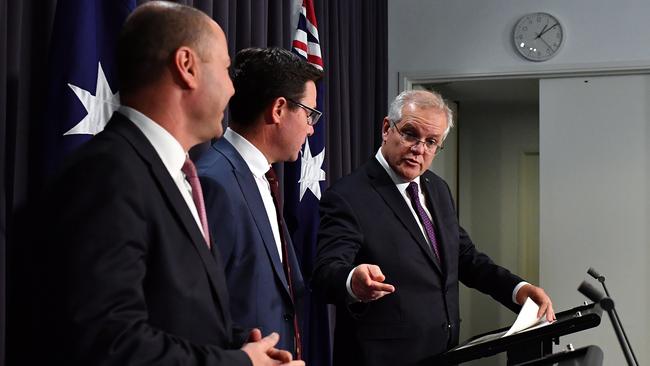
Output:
x=272 y=177
x=275 y=189
x=189 y=169
x=413 y=191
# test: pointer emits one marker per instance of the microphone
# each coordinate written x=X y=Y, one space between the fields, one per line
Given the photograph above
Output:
x=607 y=304
x=593 y=273
x=590 y=291
x=596 y=296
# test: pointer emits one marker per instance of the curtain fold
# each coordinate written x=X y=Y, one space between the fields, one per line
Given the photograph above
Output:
x=24 y=40
x=354 y=41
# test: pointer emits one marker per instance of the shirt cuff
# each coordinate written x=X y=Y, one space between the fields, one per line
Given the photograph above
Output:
x=348 y=286
x=514 y=292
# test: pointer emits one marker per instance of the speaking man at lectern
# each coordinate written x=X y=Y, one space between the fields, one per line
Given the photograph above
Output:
x=391 y=250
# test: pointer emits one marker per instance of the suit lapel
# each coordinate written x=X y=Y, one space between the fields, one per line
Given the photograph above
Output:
x=386 y=188
x=255 y=205
x=169 y=189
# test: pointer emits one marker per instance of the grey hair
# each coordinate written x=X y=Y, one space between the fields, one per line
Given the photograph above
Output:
x=421 y=99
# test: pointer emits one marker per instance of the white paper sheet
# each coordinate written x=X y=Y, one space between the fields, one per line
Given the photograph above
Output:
x=527 y=318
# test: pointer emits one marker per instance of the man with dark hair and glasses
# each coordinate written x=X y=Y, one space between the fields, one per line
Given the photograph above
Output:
x=272 y=114
x=391 y=251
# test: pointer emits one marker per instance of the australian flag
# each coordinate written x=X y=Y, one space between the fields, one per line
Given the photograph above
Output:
x=304 y=180
x=82 y=82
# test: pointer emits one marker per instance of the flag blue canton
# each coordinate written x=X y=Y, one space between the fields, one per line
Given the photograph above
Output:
x=301 y=205
x=84 y=37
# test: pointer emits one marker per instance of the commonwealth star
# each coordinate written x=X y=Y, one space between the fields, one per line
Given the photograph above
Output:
x=100 y=107
x=310 y=172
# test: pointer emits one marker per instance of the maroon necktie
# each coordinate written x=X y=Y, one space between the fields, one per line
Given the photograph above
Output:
x=275 y=192
x=414 y=194
x=197 y=196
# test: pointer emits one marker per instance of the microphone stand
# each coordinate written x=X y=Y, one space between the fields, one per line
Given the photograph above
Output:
x=607 y=304
x=593 y=273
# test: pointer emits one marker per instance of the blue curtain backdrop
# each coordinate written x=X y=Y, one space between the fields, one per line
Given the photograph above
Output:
x=353 y=38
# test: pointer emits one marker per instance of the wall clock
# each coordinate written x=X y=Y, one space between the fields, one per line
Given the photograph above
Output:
x=538 y=36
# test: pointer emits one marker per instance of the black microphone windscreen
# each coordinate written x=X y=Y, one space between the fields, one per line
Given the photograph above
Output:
x=593 y=273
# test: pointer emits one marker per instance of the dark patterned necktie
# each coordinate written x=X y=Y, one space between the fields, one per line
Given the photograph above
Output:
x=414 y=194
x=197 y=196
x=275 y=193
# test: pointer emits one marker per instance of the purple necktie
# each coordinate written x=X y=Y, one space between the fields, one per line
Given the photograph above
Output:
x=275 y=193
x=413 y=192
x=197 y=196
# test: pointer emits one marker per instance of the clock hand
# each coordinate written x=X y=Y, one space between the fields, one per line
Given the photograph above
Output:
x=546 y=43
x=548 y=29
x=542 y=31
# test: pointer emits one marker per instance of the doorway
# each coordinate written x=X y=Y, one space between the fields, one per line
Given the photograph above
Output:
x=494 y=149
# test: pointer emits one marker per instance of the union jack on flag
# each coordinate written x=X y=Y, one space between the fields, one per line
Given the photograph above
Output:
x=305 y=41
x=303 y=182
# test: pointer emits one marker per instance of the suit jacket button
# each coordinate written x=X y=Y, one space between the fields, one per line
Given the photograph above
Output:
x=287 y=317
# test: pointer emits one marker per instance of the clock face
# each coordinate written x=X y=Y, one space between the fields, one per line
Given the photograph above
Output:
x=538 y=36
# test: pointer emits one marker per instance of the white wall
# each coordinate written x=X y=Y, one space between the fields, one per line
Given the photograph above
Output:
x=446 y=37
x=595 y=191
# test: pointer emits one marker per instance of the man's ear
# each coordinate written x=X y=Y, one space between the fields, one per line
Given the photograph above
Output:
x=276 y=110
x=185 y=65
x=385 y=126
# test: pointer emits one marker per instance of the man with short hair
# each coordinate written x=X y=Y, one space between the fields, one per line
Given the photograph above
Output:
x=391 y=250
x=127 y=271
x=272 y=114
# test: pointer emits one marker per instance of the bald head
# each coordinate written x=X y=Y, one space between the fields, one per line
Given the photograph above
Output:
x=151 y=35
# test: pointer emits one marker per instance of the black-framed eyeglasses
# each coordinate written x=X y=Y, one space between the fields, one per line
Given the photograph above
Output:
x=410 y=140
x=313 y=115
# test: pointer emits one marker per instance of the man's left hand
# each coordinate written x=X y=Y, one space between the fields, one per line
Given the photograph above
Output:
x=539 y=296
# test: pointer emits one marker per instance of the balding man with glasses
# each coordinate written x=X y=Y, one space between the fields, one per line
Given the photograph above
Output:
x=272 y=114
x=391 y=251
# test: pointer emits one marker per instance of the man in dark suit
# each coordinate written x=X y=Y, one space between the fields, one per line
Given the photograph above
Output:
x=127 y=272
x=391 y=251
x=272 y=115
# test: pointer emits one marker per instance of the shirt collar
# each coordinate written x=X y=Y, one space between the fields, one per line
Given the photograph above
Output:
x=400 y=182
x=253 y=157
x=168 y=148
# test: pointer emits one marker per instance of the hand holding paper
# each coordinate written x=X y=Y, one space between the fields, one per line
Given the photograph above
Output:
x=527 y=319
x=539 y=296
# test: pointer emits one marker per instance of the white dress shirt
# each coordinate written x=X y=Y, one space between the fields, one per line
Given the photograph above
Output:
x=258 y=165
x=170 y=152
x=401 y=185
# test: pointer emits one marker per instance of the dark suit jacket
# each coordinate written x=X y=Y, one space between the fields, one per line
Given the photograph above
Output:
x=364 y=219
x=126 y=276
x=259 y=295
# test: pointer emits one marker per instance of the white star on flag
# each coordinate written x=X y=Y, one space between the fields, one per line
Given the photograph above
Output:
x=100 y=107
x=311 y=172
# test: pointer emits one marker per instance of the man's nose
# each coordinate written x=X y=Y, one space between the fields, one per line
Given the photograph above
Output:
x=418 y=147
